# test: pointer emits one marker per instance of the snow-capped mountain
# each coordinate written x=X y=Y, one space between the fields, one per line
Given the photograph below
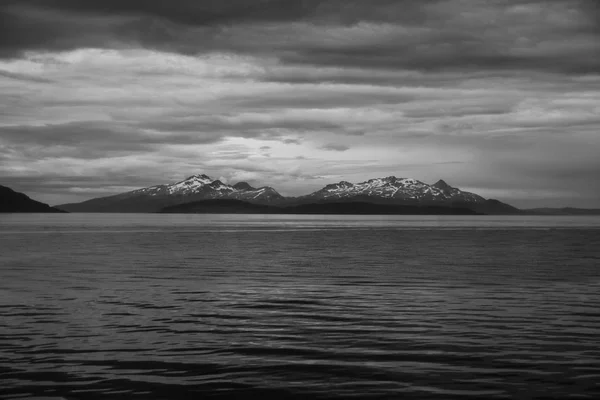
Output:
x=203 y=185
x=193 y=188
x=389 y=190
x=395 y=189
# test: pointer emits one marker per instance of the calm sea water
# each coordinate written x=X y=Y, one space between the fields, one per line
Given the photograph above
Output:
x=203 y=306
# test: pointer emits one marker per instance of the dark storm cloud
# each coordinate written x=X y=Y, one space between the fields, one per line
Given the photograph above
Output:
x=27 y=28
x=64 y=24
x=511 y=35
x=94 y=135
x=219 y=12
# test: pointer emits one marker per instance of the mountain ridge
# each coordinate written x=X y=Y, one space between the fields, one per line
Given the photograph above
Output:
x=391 y=187
x=388 y=190
x=193 y=188
x=12 y=201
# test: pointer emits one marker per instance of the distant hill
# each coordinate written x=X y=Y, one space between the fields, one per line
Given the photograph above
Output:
x=229 y=206
x=563 y=211
x=390 y=191
x=15 y=202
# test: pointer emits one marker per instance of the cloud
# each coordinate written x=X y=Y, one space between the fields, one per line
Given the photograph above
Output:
x=334 y=147
x=23 y=77
x=499 y=96
x=92 y=139
x=435 y=35
x=291 y=141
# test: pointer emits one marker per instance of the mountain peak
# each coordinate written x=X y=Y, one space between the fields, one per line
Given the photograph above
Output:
x=243 y=186
x=268 y=189
x=345 y=184
x=202 y=177
x=441 y=184
x=391 y=181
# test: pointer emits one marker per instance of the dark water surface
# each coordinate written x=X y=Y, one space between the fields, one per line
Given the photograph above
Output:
x=203 y=306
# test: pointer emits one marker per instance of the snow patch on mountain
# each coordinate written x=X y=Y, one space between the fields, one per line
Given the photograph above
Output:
x=392 y=187
x=202 y=186
x=189 y=185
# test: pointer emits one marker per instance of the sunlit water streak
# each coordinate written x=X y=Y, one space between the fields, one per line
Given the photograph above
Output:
x=167 y=306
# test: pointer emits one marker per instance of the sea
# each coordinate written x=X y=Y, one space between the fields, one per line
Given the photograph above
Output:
x=165 y=306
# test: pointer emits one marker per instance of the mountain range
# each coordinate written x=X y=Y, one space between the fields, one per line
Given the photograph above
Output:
x=194 y=188
x=201 y=194
x=382 y=191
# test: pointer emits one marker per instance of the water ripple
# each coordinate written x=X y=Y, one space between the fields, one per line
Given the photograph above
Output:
x=108 y=310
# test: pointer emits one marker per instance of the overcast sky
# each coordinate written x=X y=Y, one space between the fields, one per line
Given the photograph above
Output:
x=498 y=97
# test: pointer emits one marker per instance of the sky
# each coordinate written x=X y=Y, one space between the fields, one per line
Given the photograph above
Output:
x=497 y=97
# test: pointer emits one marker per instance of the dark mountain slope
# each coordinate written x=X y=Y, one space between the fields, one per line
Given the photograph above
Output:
x=230 y=206
x=15 y=202
x=193 y=188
